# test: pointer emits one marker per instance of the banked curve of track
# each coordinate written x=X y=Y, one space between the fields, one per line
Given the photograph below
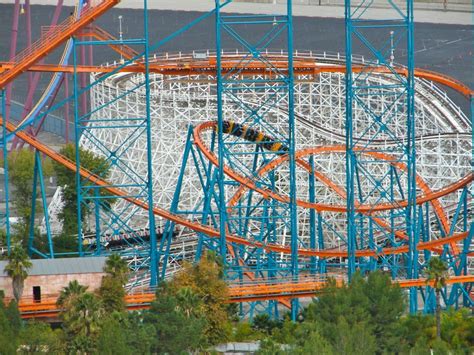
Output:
x=212 y=232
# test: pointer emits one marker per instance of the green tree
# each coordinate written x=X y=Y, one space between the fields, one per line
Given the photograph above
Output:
x=21 y=170
x=69 y=293
x=204 y=279
x=263 y=322
x=437 y=272
x=374 y=304
x=386 y=306
x=355 y=338
x=112 y=290
x=175 y=333
x=309 y=340
x=17 y=269
x=38 y=337
x=415 y=329
x=67 y=179
x=117 y=268
x=112 y=293
x=81 y=321
x=112 y=338
x=8 y=340
x=188 y=302
x=140 y=335
x=458 y=329
x=14 y=317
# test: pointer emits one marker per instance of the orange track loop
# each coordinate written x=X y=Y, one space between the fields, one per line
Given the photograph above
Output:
x=427 y=197
x=284 y=290
x=340 y=191
x=26 y=61
x=197 y=227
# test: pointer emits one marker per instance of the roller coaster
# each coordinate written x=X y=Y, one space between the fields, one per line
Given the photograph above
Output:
x=284 y=199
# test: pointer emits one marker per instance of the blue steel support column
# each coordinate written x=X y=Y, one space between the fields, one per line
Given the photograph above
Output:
x=350 y=159
x=39 y=170
x=39 y=177
x=254 y=97
x=5 y=171
x=472 y=142
x=292 y=148
x=33 y=211
x=391 y=125
x=411 y=218
x=312 y=216
x=221 y=176
x=149 y=182
x=77 y=136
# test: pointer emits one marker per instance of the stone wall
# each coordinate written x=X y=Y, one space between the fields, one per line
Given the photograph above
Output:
x=52 y=284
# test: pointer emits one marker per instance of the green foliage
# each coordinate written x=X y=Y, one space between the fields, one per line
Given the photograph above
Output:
x=81 y=321
x=21 y=170
x=70 y=293
x=117 y=268
x=263 y=323
x=112 y=339
x=204 y=279
x=3 y=237
x=458 y=329
x=411 y=329
x=364 y=317
x=38 y=337
x=8 y=341
x=65 y=243
x=67 y=179
x=140 y=334
x=17 y=269
x=175 y=332
x=14 y=317
x=112 y=294
x=243 y=332
x=371 y=305
x=437 y=271
x=419 y=331
x=309 y=340
x=112 y=290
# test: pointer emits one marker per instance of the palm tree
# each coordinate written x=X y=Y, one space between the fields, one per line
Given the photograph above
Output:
x=437 y=272
x=17 y=269
x=188 y=301
x=83 y=315
x=69 y=293
x=117 y=268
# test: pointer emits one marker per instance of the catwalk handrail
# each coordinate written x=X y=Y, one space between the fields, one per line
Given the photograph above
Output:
x=252 y=291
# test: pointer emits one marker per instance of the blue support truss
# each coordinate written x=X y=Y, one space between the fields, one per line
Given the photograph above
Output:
x=5 y=215
x=373 y=38
x=38 y=177
x=255 y=217
x=251 y=216
x=94 y=202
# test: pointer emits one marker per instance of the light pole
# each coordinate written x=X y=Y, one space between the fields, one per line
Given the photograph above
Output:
x=392 y=50
x=121 y=38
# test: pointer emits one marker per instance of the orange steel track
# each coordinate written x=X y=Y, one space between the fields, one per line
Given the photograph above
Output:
x=282 y=291
x=264 y=291
x=200 y=228
x=52 y=40
x=194 y=67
